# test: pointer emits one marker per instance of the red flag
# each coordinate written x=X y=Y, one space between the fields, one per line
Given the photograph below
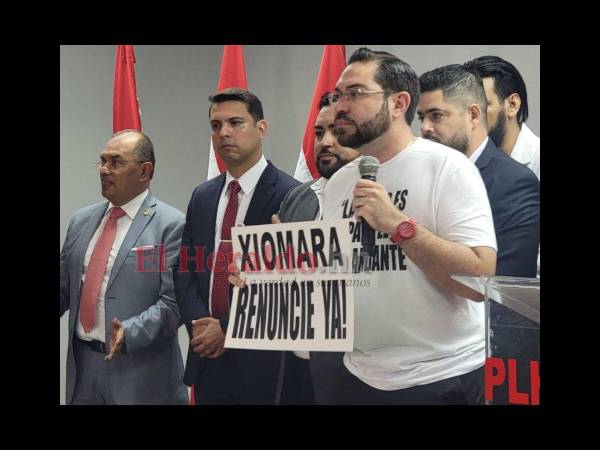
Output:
x=332 y=64
x=126 y=109
x=233 y=74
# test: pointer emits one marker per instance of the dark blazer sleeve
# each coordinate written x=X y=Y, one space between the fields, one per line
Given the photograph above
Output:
x=518 y=225
x=187 y=290
x=514 y=194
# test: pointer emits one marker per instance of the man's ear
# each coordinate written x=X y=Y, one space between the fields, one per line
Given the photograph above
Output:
x=512 y=104
x=402 y=102
x=262 y=126
x=476 y=115
x=147 y=169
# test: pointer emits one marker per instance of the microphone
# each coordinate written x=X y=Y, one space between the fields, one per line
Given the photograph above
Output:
x=368 y=167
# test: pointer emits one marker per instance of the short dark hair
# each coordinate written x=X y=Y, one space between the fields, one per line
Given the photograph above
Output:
x=143 y=150
x=253 y=104
x=507 y=80
x=323 y=101
x=458 y=86
x=392 y=75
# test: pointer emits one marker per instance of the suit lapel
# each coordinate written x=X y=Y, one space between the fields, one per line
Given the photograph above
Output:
x=141 y=219
x=486 y=155
x=263 y=193
x=489 y=153
x=213 y=193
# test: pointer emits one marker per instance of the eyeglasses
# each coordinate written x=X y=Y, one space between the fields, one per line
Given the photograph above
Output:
x=115 y=166
x=351 y=95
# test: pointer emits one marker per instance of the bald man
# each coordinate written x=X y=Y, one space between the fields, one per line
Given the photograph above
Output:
x=116 y=282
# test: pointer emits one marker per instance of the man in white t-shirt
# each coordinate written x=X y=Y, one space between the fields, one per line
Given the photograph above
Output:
x=419 y=335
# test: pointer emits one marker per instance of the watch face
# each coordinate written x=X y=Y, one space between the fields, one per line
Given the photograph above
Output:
x=406 y=229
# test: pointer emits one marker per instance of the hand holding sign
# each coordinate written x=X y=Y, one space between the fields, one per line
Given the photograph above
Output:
x=234 y=277
x=296 y=292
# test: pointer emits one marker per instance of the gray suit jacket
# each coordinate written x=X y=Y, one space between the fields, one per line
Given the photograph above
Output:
x=299 y=204
x=151 y=370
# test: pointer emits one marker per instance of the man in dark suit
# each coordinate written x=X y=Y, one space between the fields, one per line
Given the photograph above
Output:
x=303 y=383
x=452 y=111
x=248 y=193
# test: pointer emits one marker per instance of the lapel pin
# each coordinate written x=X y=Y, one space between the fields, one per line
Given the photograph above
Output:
x=147 y=211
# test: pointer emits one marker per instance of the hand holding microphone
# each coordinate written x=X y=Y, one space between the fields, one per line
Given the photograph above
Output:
x=373 y=205
x=368 y=167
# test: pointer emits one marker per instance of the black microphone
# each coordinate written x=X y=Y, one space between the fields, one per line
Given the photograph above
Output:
x=368 y=167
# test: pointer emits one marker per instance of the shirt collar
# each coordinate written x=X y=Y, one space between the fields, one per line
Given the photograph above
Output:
x=525 y=136
x=319 y=185
x=475 y=155
x=249 y=179
x=132 y=206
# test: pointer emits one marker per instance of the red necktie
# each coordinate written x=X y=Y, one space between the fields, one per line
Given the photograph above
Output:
x=95 y=270
x=219 y=298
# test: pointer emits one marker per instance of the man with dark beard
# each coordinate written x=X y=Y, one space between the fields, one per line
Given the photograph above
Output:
x=507 y=109
x=452 y=111
x=302 y=382
x=507 y=112
x=303 y=202
x=418 y=337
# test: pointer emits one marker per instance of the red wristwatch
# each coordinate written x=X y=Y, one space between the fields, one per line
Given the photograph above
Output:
x=404 y=230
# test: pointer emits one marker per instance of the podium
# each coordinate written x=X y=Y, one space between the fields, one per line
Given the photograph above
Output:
x=512 y=337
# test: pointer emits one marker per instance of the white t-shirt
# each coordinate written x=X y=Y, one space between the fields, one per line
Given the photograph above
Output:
x=408 y=331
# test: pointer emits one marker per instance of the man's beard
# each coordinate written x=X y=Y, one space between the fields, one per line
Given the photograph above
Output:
x=498 y=131
x=459 y=142
x=366 y=132
x=327 y=171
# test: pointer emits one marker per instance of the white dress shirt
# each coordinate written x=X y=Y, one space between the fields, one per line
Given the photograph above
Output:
x=131 y=208
x=527 y=149
x=248 y=182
